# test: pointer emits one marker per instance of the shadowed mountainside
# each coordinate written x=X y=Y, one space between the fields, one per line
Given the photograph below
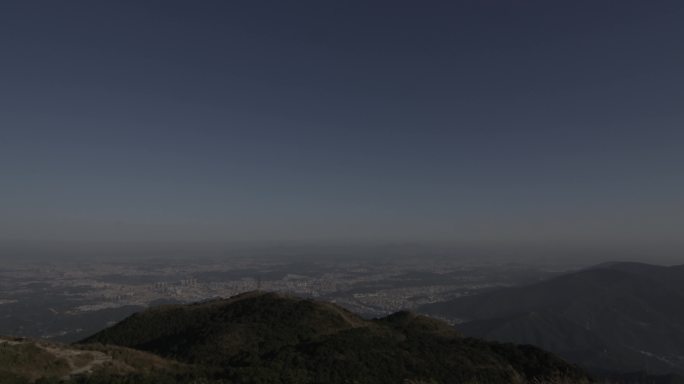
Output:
x=613 y=317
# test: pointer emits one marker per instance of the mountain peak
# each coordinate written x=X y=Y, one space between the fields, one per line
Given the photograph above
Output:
x=260 y=333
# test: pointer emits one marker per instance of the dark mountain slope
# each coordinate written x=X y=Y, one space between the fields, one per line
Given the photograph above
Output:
x=616 y=316
x=269 y=338
x=208 y=332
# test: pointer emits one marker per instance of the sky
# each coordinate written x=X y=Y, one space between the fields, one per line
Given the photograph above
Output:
x=542 y=123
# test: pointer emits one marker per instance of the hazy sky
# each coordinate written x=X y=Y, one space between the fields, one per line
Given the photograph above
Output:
x=480 y=122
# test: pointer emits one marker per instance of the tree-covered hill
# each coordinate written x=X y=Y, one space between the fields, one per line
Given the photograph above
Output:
x=271 y=338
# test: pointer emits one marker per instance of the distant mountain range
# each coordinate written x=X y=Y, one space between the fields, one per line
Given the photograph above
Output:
x=622 y=317
x=270 y=338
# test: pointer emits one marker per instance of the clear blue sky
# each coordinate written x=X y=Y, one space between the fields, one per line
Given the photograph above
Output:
x=480 y=122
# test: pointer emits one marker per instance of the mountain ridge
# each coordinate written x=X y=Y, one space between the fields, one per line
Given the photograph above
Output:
x=613 y=316
x=271 y=338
